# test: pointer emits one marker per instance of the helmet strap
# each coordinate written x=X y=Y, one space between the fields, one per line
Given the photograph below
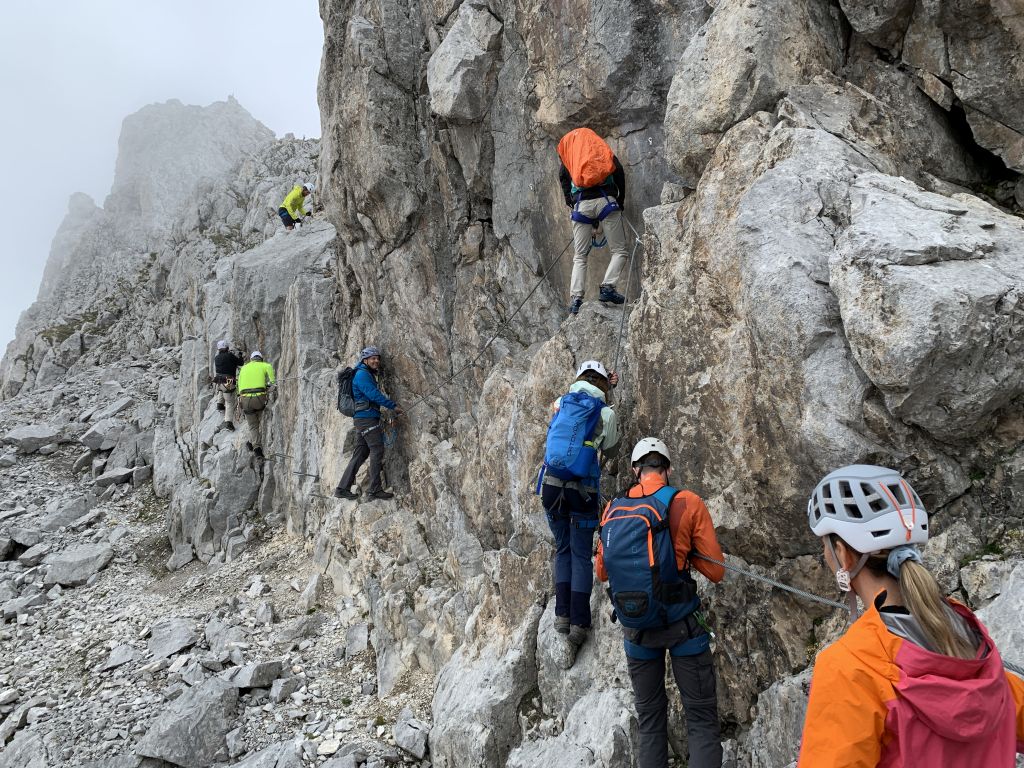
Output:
x=844 y=579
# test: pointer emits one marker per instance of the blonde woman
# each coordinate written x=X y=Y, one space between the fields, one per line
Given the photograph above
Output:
x=915 y=681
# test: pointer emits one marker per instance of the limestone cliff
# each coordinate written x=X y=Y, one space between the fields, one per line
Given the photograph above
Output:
x=828 y=269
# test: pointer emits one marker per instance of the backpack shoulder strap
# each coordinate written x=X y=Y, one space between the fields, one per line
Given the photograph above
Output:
x=665 y=494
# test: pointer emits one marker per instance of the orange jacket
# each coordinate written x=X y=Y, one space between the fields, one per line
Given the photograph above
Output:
x=880 y=701
x=690 y=525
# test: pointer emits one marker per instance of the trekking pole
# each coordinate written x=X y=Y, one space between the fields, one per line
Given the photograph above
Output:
x=491 y=340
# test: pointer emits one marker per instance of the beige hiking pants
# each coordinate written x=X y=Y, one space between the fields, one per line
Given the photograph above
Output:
x=581 y=234
x=229 y=399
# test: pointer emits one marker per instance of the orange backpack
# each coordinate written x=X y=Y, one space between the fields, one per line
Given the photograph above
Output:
x=587 y=157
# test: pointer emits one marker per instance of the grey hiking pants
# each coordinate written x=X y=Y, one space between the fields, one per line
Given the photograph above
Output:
x=695 y=677
x=369 y=443
x=253 y=407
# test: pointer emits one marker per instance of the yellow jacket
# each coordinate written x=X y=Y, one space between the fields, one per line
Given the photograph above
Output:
x=293 y=203
x=254 y=377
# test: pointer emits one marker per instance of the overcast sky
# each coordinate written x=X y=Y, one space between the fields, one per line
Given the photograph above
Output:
x=73 y=70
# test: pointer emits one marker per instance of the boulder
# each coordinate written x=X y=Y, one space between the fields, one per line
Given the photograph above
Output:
x=180 y=557
x=103 y=435
x=284 y=755
x=26 y=751
x=461 y=72
x=109 y=411
x=63 y=512
x=169 y=636
x=74 y=567
x=1002 y=617
x=115 y=476
x=191 y=730
x=32 y=437
x=411 y=734
x=255 y=675
x=119 y=656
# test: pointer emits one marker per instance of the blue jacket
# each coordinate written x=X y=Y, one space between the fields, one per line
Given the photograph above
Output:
x=364 y=387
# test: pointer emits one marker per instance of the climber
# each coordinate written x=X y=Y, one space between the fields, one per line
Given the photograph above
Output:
x=594 y=186
x=916 y=680
x=226 y=365
x=292 y=210
x=366 y=421
x=646 y=564
x=255 y=388
x=581 y=426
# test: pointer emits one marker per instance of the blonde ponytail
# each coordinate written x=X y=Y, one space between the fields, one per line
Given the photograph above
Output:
x=923 y=598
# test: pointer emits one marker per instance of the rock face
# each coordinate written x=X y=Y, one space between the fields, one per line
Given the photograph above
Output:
x=828 y=271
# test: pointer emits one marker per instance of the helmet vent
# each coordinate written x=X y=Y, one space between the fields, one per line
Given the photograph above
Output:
x=880 y=533
x=852 y=510
x=897 y=491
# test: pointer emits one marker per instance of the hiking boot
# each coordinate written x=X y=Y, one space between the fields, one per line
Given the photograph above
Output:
x=229 y=425
x=220 y=406
x=382 y=495
x=574 y=306
x=344 y=493
x=609 y=294
x=562 y=625
x=578 y=635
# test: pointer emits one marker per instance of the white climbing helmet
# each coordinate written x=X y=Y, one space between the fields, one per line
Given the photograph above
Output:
x=646 y=446
x=256 y=355
x=592 y=365
x=870 y=508
x=223 y=344
x=309 y=186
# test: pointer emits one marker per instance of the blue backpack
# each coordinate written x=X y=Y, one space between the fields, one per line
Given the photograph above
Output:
x=569 y=453
x=646 y=587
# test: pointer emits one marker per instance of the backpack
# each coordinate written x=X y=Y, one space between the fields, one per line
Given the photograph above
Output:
x=569 y=453
x=646 y=587
x=589 y=160
x=346 y=403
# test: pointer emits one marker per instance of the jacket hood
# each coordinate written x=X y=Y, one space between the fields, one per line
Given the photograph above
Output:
x=954 y=698
x=590 y=389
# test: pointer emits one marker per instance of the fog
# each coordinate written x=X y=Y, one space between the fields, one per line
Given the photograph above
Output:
x=74 y=70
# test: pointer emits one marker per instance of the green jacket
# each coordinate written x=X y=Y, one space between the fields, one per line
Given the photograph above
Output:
x=293 y=203
x=254 y=377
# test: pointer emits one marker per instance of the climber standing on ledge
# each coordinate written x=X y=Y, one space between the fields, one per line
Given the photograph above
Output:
x=226 y=366
x=366 y=421
x=255 y=386
x=291 y=210
x=594 y=186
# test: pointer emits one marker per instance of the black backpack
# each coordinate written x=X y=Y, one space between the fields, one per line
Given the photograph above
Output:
x=346 y=403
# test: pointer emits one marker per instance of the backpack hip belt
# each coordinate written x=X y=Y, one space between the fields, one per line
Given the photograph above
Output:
x=253 y=392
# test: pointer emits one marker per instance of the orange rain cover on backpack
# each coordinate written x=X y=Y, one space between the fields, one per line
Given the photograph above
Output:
x=587 y=157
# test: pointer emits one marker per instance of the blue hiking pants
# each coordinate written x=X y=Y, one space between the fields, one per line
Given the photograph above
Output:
x=286 y=217
x=573 y=521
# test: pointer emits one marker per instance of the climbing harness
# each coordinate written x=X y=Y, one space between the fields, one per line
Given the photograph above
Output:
x=1009 y=665
x=493 y=338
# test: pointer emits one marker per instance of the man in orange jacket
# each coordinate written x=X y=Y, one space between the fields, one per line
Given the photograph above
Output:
x=656 y=529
